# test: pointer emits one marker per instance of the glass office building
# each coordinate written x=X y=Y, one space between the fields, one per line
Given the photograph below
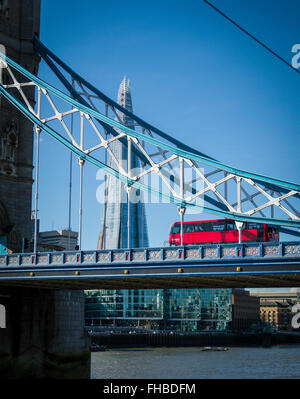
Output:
x=121 y=308
x=199 y=309
x=176 y=309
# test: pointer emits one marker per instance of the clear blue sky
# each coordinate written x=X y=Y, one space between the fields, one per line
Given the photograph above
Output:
x=193 y=75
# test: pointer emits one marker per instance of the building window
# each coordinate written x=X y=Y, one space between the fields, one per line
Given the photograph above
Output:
x=9 y=143
x=11 y=147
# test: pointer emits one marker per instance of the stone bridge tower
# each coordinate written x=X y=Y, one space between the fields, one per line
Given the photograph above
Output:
x=44 y=332
x=19 y=20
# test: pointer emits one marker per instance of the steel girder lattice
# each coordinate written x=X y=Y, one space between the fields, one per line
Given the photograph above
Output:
x=99 y=122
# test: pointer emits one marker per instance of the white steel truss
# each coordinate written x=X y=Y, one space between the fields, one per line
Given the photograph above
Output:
x=179 y=176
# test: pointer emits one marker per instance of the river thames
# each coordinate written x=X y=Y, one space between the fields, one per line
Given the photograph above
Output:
x=282 y=361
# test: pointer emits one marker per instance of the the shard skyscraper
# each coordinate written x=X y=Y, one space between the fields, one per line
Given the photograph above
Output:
x=114 y=221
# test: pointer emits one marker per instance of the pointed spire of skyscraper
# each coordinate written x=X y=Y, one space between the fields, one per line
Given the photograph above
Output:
x=124 y=99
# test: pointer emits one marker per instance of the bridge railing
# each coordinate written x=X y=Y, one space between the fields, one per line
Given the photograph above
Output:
x=153 y=255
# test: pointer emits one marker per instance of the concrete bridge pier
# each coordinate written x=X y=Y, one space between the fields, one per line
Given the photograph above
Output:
x=43 y=334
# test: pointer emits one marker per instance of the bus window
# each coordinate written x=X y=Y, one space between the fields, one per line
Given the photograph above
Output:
x=252 y=225
x=199 y=227
x=218 y=226
x=176 y=229
x=207 y=226
x=231 y=226
x=189 y=228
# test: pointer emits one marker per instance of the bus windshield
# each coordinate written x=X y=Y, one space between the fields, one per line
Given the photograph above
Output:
x=176 y=229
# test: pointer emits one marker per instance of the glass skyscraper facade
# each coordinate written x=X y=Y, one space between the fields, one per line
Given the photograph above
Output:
x=114 y=221
x=177 y=309
x=199 y=309
x=124 y=308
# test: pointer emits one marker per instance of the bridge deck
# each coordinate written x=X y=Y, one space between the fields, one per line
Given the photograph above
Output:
x=206 y=266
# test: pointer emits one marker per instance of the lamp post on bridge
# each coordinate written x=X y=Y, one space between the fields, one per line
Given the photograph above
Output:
x=128 y=189
x=38 y=131
x=81 y=164
x=181 y=208
x=239 y=225
x=181 y=211
x=70 y=180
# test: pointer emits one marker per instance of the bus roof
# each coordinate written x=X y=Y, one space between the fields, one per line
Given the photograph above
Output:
x=205 y=221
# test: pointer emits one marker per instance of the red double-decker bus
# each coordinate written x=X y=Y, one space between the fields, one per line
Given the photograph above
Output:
x=221 y=231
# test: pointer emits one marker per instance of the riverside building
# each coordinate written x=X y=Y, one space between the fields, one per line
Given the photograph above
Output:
x=276 y=307
x=176 y=309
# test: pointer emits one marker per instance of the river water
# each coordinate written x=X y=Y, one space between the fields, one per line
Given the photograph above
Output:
x=192 y=363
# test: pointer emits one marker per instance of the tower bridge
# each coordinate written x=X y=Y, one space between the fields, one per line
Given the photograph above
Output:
x=160 y=156
x=257 y=265
x=42 y=292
